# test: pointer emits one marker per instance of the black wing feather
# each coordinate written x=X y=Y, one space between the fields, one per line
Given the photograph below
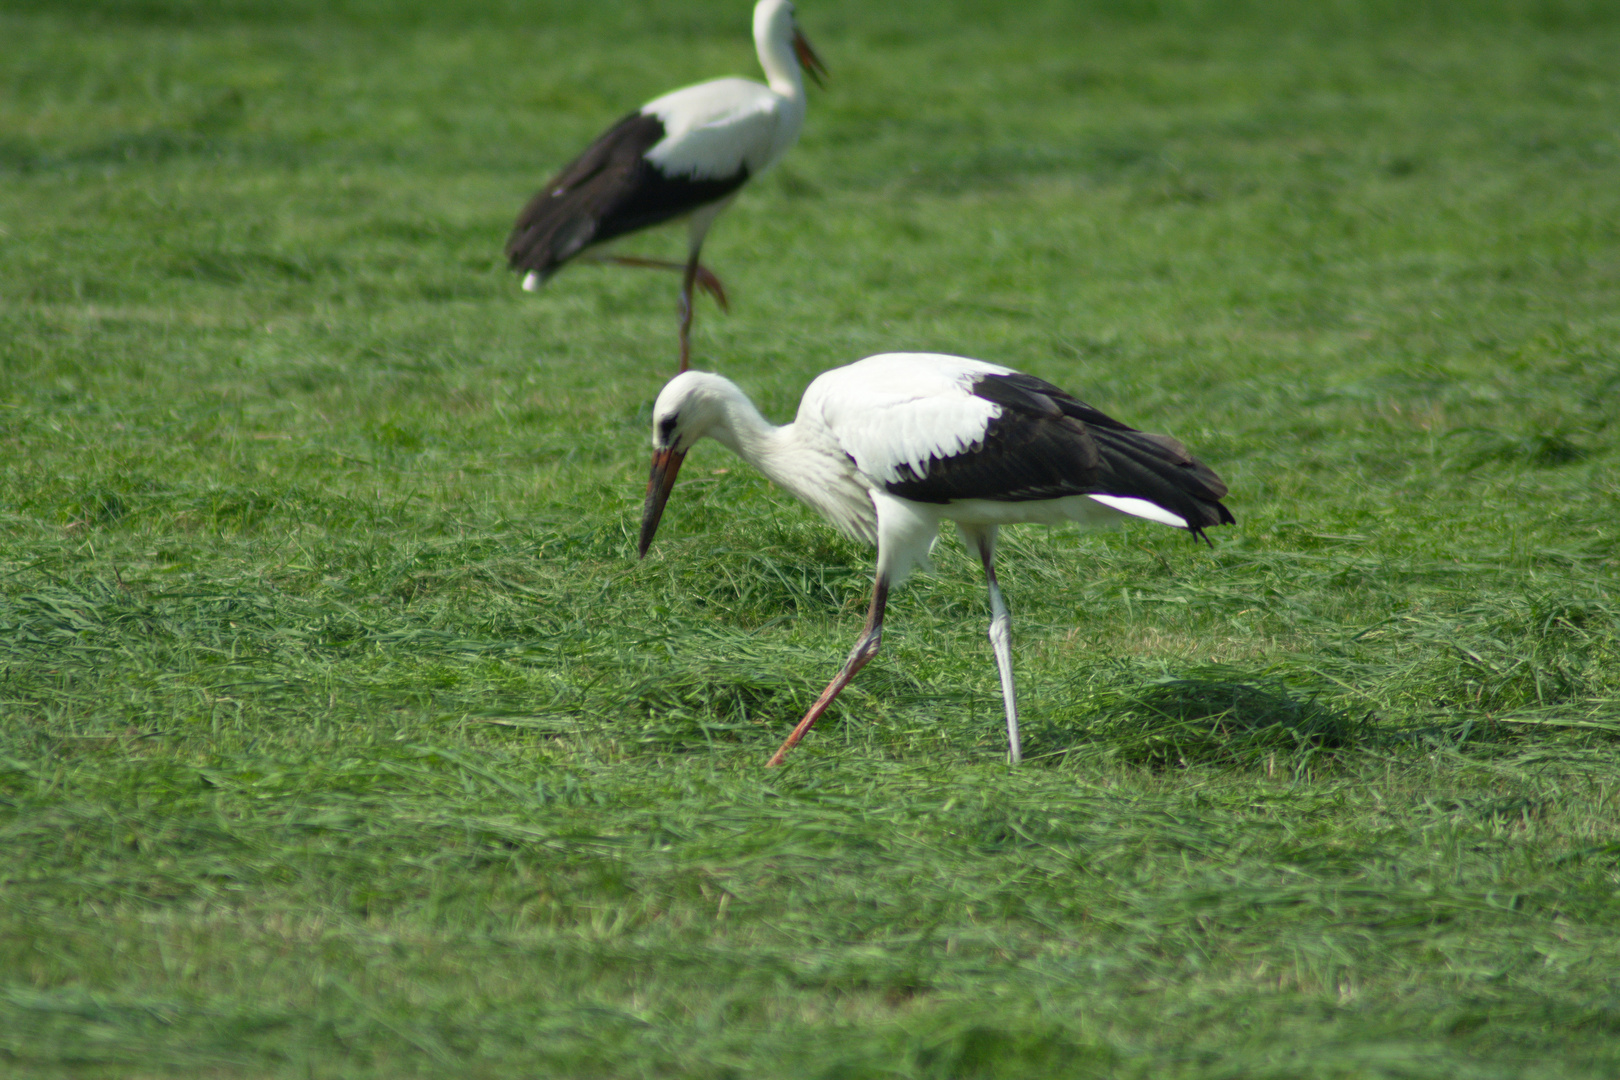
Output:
x=1047 y=444
x=609 y=190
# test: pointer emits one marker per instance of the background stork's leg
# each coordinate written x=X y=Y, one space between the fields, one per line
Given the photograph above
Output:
x=706 y=279
x=687 y=278
x=864 y=650
x=1001 y=641
x=711 y=285
x=692 y=273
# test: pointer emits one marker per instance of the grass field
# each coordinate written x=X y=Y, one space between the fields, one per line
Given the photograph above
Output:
x=342 y=735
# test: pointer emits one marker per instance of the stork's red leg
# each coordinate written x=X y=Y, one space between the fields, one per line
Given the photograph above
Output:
x=687 y=278
x=864 y=650
x=711 y=285
x=692 y=273
x=705 y=280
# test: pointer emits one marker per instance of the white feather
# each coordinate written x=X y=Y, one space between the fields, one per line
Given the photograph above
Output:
x=715 y=129
x=901 y=409
x=1141 y=508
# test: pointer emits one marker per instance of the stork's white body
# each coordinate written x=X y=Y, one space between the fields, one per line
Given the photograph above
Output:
x=719 y=128
x=859 y=426
x=889 y=448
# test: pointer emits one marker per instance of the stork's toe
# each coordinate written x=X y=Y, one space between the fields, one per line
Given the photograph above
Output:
x=710 y=284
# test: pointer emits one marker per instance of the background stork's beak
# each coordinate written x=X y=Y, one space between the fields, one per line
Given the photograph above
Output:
x=808 y=59
x=665 y=464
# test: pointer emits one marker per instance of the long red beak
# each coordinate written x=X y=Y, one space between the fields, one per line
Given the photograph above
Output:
x=808 y=59
x=665 y=464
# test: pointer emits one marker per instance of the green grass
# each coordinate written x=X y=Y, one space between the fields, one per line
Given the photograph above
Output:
x=342 y=735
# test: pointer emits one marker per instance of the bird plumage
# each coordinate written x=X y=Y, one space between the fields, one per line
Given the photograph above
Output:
x=682 y=155
x=610 y=190
x=889 y=448
x=725 y=127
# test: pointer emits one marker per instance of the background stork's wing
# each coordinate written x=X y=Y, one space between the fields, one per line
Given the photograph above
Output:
x=608 y=191
x=564 y=215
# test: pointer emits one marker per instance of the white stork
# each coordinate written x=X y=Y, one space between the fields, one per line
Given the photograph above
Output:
x=681 y=155
x=889 y=447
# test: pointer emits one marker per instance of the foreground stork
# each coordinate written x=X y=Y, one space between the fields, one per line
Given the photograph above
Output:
x=891 y=446
x=681 y=155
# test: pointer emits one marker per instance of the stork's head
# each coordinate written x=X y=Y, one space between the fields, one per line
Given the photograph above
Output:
x=774 y=23
x=691 y=405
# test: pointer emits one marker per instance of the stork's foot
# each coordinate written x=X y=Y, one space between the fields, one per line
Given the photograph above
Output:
x=702 y=276
x=705 y=280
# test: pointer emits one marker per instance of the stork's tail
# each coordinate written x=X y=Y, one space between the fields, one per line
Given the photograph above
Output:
x=550 y=231
x=1158 y=471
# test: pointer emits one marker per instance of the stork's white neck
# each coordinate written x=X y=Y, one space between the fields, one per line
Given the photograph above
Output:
x=773 y=40
x=790 y=455
x=740 y=427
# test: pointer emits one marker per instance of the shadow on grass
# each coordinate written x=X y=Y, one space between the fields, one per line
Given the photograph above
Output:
x=950 y=1046
x=1211 y=717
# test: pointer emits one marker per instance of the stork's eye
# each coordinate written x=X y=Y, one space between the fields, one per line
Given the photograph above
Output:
x=666 y=429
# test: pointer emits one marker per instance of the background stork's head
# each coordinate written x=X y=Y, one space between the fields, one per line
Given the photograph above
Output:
x=774 y=24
